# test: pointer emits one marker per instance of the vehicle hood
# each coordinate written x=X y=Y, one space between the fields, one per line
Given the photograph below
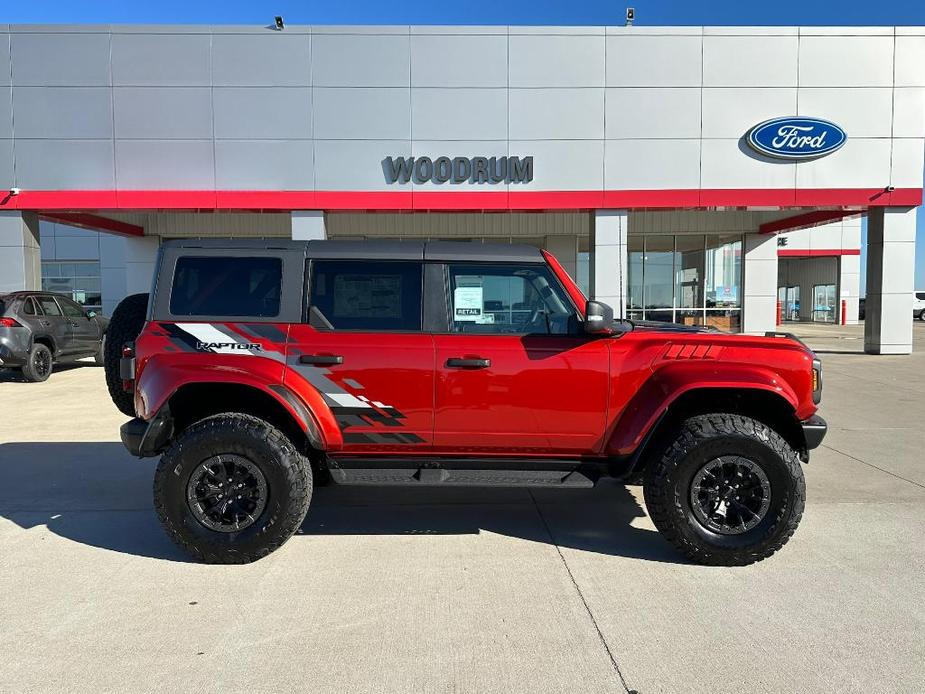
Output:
x=671 y=327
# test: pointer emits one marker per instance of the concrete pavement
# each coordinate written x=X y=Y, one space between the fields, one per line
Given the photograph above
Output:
x=430 y=590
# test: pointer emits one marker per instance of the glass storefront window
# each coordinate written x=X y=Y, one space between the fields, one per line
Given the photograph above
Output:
x=686 y=279
x=689 y=271
x=723 y=271
x=78 y=280
x=635 y=252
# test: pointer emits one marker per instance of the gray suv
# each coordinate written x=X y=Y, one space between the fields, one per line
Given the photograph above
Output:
x=38 y=329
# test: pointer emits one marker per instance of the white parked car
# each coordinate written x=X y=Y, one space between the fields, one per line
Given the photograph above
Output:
x=918 y=306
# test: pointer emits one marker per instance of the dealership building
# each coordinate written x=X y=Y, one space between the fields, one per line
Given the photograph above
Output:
x=698 y=175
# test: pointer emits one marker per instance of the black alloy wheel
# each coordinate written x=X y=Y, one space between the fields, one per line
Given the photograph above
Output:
x=730 y=495
x=227 y=493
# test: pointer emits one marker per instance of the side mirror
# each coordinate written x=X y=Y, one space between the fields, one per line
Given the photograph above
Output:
x=91 y=314
x=598 y=318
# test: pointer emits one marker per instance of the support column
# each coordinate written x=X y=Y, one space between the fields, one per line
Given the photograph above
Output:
x=20 y=252
x=608 y=259
x=126 y=267
x=308 y=225
x=759 y=291
x=890 y=280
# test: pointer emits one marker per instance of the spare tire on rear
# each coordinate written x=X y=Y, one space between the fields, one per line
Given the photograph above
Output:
x=126 y=323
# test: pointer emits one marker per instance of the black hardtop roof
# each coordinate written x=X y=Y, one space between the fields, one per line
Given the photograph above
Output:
x=448 y=251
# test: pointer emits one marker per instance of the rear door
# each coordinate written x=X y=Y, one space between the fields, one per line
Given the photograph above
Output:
x=514 y=374
x=54 y=324
x=363 y=348
x=85 y=332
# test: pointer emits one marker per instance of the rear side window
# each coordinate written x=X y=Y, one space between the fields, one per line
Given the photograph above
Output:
x=28 y=308
x=920 y=296
x=366 y=295
x=49 y=306
x=226 y=286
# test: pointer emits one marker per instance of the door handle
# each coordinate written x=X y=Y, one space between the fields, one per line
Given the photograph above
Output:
x=44 y=322
x=321 y=359
x=475 y=363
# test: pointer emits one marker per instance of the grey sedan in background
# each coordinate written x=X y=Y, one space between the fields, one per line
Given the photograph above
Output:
x=39 y=329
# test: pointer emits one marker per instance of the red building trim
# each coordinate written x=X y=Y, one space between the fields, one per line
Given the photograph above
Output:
x=805 y=220
x=816 y=252
x=94 y=222
x=430 y=199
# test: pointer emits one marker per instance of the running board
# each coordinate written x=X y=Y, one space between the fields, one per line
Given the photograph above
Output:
x=438 y=477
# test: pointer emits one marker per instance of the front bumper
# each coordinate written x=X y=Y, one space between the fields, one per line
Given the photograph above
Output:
x=814 y=430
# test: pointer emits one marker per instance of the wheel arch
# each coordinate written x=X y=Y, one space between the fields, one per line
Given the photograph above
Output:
x=275 y=404
x=47 y=340
x=673 y=394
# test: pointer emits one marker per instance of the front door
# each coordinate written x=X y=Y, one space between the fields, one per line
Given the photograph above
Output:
x=85 y=332
x=514 y=375
x=364 y=351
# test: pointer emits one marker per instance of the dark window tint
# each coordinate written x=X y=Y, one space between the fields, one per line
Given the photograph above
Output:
x=224 y=286
x=29 y=307
x=506 y=299
x=920 y=296
x=71 y=310
x=49 y=305
x=366 y=295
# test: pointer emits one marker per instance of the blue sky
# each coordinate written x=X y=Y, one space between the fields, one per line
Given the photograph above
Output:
x=677 y=12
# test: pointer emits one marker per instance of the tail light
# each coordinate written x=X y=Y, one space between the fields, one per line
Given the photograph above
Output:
x=817 y=381
x=127 y=367
x=9 y=323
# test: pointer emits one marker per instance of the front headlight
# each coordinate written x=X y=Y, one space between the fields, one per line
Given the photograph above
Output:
x=817 y=381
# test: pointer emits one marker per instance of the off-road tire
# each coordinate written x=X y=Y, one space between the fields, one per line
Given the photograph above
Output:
x=289 y=483
x=699 y=440
x=127 y=321
x=30 y=370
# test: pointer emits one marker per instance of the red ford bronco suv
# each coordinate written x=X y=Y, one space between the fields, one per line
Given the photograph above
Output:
x=258 y=367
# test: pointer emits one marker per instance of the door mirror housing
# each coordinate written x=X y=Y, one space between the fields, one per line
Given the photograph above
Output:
x=91 y=314
x=598 y=318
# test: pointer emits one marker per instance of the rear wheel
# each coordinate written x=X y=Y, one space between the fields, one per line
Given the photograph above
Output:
x=728 y=491
x=922 y=315
x=39 y=364
x=127 y=321
x=231 y=489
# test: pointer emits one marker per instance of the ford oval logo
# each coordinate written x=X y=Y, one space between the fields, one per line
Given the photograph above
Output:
x=796 y=137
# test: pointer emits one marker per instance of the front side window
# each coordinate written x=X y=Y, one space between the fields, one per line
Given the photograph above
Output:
x=366 y=295
x=71 y=310
x=507 y=299
x=226 y=286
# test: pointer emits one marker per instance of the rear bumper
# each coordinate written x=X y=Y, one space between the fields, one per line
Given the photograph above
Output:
x=13 y=351
x=145 y=439
x=814 y=430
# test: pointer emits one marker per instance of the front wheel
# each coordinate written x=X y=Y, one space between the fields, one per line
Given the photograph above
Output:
x=231 y=489
x=728 y=491
x=922 y=315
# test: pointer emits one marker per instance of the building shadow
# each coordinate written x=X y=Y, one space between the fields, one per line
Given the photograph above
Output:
x=98 y=495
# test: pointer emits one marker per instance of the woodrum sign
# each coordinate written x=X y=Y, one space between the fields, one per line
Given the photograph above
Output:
x=458 y=169
x=797 y=137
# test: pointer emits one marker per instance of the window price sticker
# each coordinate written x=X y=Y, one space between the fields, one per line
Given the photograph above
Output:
x=467 y=304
